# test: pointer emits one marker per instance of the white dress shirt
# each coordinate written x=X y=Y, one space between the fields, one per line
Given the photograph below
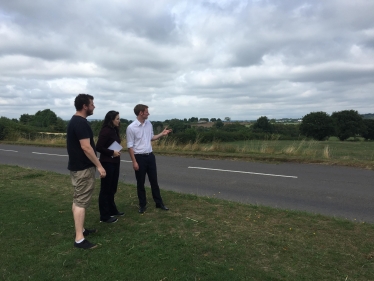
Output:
x=139 y=136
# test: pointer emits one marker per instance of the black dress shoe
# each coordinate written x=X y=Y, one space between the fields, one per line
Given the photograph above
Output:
x=161 y=206
x=119 y=214
x=142 y=209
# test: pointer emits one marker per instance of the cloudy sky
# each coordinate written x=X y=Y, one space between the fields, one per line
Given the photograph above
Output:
x=188 y=58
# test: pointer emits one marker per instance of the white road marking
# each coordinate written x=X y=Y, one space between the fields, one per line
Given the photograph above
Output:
x=8 y=150
x=126 y=161
x=243 y=172
x=49 y=154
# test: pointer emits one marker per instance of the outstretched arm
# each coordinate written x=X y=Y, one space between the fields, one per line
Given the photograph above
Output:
x=165 y=132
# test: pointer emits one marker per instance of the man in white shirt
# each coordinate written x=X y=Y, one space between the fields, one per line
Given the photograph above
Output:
x=139 y=135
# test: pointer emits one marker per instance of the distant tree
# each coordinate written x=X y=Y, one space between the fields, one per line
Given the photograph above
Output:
x=348 y=123
x=96 y=126
x=263 y=125
x=219 y=119
x=193 y=119
x=124 y=121
x=218 y=124
x=227 y=119
x=317 y=125
x=367 y=116
x=213 y=119
x=185 y=120
x=3 y=127
x=158 y=126
x=177 y=125
x=45 y=118
x=368 y=132
x=60 y=125
x=204 y=119
x=11 y=130
x=26 y=119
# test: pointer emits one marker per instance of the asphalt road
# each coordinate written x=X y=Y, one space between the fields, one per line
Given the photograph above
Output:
x=329 y=190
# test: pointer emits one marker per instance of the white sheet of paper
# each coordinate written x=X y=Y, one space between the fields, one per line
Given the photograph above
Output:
x=115 y=146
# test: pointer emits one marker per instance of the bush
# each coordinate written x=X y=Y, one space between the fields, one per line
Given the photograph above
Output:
x=287 y=131
x=11 y=130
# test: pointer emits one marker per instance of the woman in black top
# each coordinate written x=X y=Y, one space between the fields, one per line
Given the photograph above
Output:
x=110 y=160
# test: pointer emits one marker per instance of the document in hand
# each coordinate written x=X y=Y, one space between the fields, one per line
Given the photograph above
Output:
x=115 y=146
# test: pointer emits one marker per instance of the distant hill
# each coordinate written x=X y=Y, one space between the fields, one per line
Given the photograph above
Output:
x=368 y=116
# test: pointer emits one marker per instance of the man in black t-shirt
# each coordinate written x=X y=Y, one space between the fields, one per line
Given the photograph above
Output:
x=82 y=165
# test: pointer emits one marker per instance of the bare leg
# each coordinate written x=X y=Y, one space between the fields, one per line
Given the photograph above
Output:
x=79 y=215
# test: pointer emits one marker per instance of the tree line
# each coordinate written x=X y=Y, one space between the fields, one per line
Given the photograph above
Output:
x=342 y=124
x=315 y=125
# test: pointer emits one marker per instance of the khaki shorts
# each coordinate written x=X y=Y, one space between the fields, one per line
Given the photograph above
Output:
x=84 y=184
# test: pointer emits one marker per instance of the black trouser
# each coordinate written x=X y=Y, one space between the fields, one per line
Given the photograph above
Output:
x=108 y=188
x=147 y=166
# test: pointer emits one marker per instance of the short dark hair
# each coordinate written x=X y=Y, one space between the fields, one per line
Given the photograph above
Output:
x=82 y=99
x=108 y=120
x=140 y=108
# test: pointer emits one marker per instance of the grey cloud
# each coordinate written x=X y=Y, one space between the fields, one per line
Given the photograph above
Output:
x=242 y=59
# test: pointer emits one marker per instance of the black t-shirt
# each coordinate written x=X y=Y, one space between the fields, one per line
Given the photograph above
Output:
x=78 y=129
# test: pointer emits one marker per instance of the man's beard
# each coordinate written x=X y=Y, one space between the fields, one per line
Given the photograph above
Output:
x=89 y=112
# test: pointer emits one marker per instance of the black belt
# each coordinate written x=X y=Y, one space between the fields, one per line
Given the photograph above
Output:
x=143 y=154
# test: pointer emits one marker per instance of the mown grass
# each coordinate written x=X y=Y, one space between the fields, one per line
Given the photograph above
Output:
x=198 y=239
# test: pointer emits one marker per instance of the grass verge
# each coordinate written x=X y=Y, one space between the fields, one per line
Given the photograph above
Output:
x=332 y=152
x=198 y=239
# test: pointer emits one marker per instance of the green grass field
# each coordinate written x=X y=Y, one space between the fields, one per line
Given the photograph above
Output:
x=198 y=239
x=349 y=153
